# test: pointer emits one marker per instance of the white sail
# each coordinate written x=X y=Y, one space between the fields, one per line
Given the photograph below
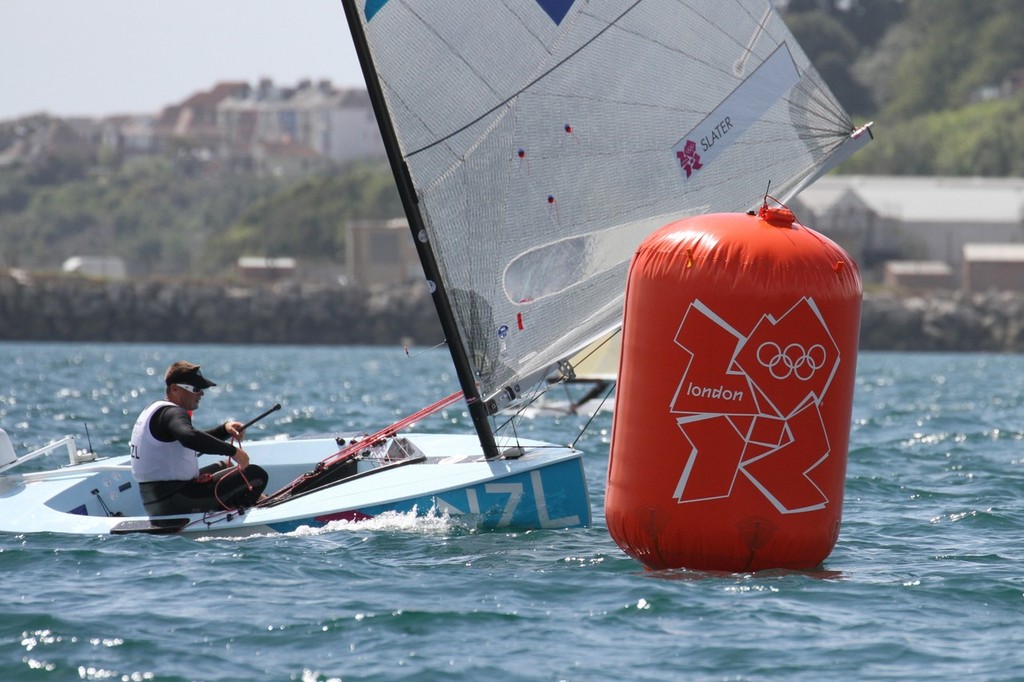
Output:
x=544 y=139
x=599 y=361
x=588 y=387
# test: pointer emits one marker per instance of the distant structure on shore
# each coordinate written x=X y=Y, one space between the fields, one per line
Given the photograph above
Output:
x=267 y=129
x=909 y=233
x=924 y=233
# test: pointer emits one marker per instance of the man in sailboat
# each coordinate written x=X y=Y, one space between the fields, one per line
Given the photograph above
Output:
x=165 y=447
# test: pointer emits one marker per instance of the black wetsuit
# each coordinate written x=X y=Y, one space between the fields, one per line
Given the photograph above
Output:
x=217 y=487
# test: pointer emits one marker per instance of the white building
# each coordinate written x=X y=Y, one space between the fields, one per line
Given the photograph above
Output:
x=381 y=253
x=105 y=267
x=880 y=218
x=918 y=275
x=337 y=124
x=350 y=127
x=993 y=266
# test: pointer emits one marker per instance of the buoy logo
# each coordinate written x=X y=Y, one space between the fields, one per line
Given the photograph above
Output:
x=793 y=360
x=764 y=422
x=720 y=392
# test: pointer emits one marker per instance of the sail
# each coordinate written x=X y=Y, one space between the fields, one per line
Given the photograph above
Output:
x=544 y=139
x=599 y=361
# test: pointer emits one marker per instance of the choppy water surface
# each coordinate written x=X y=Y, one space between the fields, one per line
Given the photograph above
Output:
x=926 y=581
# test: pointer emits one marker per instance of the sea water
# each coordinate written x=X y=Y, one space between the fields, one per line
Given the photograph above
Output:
x=926 y=581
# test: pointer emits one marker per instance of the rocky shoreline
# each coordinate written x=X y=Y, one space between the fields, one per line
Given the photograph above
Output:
x=946 y=321
x=78 y=309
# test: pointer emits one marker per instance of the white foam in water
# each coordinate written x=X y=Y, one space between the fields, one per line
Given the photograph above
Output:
x=428 y=524
x=313 y=676
x=431 y=523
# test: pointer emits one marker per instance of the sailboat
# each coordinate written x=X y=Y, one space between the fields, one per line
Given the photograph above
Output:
x=588 y=390
x=535 y=143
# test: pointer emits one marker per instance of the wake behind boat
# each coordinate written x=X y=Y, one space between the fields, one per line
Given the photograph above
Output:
x=535 y=144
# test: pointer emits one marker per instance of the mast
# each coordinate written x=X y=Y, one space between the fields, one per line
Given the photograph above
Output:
x=421 y=238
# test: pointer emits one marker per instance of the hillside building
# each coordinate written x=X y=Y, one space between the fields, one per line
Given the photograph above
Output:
x=381 y=253
x=882 y=218
x=993 y=266
x=267 y=128
x=918 y=275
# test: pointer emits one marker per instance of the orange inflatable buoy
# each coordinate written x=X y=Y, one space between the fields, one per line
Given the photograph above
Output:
x=734 y=397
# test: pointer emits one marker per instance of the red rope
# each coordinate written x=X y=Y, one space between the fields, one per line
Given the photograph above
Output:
x=241 y=472
x=389 y=431
x=356 y=446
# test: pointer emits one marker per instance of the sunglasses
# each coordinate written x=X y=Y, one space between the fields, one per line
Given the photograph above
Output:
x=190 y=389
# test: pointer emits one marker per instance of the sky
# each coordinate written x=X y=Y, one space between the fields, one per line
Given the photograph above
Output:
x=104 y=57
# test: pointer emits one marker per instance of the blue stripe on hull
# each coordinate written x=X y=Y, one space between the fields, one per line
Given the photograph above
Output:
x=552 y=497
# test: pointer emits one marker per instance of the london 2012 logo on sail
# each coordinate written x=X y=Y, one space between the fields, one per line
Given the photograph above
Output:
x=689 y=159
x=755 y=94
x=556 y=9
x=748 y=404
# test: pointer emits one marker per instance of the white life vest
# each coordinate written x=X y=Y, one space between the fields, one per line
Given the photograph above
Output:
x=155 y=460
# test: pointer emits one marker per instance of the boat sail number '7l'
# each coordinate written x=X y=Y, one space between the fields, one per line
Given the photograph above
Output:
x=535 y=144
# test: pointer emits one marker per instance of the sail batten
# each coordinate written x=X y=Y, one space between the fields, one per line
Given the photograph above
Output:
x=545 y=139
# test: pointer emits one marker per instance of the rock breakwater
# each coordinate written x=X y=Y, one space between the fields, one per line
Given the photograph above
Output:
x=946 y=321
x=78 y=309
x=61 y=308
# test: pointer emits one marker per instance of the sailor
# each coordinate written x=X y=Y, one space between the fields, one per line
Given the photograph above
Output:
x=165 y=448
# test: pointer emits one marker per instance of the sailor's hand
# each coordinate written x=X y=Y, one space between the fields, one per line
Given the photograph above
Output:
x=241 y=457
x=235 y=430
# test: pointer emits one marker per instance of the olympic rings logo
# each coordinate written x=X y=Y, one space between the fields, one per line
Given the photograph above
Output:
x=794 y=360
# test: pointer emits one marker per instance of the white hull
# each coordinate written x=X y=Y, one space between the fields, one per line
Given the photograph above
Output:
x=546 y=407
x=585 y=397
x=543 y=488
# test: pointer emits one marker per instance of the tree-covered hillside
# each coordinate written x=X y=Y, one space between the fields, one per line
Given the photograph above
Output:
x=942 y=79
x=165 y=221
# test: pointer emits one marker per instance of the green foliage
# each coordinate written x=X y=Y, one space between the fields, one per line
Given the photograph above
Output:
x=832 y=49
x=836 y=34
x=308 y=220
x=924 y=69
x=163 y=218
x=981 y=139
x=916 y=67
x=866 y=20
x=958 y=48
